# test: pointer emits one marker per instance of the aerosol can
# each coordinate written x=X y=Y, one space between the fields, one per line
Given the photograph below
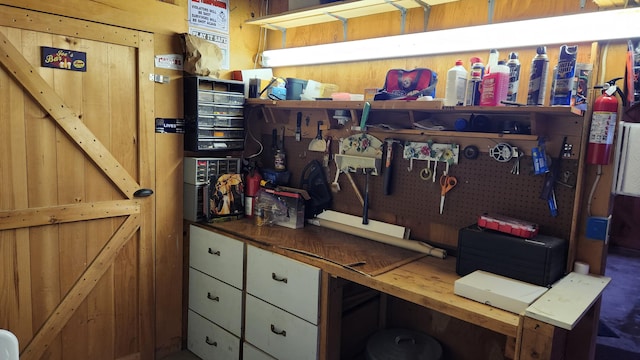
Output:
x=514 y=77
x=564 y=76
x=538 y=77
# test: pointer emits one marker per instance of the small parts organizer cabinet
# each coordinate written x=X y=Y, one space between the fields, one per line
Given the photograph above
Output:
x=280 y=307
x=281 y=316
x=214 y=114
x=215 y=295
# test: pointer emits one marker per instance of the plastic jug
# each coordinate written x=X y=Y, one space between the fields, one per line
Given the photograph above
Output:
x=495 y=85
x=456 y=85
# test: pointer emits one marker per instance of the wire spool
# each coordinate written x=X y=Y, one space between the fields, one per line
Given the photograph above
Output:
x=471 y=152
x=502 y=152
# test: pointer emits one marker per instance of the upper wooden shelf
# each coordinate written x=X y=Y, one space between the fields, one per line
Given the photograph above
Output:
x=338 y=10
x=402 y=105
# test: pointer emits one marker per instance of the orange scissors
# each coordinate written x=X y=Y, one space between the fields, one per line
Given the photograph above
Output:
x=446 y=184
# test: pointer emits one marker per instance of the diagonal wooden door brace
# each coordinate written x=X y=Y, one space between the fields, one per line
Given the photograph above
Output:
x=18 y=66
x=80 y=290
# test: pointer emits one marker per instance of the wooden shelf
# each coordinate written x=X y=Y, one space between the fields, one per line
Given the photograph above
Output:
x=544 y=122
x=402 y=105
x=336 y=11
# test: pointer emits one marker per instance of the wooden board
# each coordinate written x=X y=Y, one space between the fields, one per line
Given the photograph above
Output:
x=568 y=300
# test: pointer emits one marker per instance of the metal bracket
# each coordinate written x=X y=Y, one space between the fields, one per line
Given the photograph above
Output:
x=492 y=6
x=344 y=24
x=281 y=29
x=403 y=14
x=427 y=12
x=583 y=3
x=161 y=79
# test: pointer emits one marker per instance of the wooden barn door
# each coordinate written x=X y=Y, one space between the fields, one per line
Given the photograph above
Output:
x=76 y=236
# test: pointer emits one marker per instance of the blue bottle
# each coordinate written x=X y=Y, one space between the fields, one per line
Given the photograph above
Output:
x=564 y=80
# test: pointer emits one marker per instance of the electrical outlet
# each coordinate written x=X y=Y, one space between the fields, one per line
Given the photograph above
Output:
x=598 y=228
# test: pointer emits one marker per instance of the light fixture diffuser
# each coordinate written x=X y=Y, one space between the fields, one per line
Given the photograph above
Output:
x=587 y=27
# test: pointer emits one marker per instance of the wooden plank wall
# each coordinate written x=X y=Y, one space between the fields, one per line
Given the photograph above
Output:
x=356 y=76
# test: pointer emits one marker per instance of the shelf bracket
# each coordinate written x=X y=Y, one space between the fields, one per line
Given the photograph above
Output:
x=427 y=12
x=582 y=4
x=281 y=29
x=344 y=24
x=403 y=14
x=492 y=6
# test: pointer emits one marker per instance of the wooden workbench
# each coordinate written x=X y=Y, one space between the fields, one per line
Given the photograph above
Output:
x=404 y=274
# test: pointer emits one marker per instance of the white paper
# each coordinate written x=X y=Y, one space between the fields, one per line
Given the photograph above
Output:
x=210 y=14
x=170 y=61
x=219 y=39
x=628 y=167
x=265 y=76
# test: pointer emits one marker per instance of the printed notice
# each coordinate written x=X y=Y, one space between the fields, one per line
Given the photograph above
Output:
x=170 y=61
x=210 y=14
x=221 y=40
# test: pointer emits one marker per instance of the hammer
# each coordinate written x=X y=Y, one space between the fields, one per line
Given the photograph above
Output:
x=387 y=165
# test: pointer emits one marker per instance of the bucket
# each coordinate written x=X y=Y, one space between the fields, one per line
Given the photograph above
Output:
x=8 y=345
x=402 y=344
x=295 y=87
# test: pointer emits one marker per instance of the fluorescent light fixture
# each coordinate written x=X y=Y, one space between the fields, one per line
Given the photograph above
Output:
x=587 y=27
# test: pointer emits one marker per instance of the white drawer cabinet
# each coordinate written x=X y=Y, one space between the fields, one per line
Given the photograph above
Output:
x=283 y=282
x=250 y=352
x=216 y=255
x=216 y=264
x=278 y=332
x=209 y=341
x=216 y=301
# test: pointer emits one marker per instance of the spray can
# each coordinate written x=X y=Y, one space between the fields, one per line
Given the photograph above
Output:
x=514 y=77
x=456 y=85
x=538 y=77
x=472 y=95
x=564 y=79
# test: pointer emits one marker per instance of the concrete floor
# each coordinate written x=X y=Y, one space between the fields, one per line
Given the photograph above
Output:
x=620 y=311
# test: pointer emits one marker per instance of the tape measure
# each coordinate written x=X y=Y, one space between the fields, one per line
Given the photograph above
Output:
x=502 y=152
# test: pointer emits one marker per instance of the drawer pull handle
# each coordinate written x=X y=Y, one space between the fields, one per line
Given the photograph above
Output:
x=280 y=279
x=275 y=331
x=212 y=343
x=217 y=253
x=211 y=297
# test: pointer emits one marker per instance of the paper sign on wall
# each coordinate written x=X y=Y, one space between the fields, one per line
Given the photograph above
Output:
x=210 y=14
x=170 y=61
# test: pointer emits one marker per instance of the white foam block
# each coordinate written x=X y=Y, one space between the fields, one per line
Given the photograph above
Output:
x=498 y=291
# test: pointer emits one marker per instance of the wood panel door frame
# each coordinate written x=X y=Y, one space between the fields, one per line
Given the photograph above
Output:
x=139 y=211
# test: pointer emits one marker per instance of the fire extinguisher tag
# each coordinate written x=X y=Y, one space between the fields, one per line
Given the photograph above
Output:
x=611 y=90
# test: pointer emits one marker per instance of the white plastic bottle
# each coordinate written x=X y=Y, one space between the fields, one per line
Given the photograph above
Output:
x=492 y=62
x=456 y=85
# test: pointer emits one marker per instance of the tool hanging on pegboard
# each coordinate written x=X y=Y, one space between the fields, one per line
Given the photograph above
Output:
x=430 y=151
x=503 y=152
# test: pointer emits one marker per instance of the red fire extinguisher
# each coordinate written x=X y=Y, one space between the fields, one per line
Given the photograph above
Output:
x=603 y=123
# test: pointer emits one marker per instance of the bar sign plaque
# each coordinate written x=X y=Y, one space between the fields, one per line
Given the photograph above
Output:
x=63 y=59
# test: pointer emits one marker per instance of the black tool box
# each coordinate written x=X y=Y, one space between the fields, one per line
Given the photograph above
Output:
x=540 y=260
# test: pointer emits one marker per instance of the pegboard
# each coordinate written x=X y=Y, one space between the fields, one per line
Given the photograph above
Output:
x=484 y=186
